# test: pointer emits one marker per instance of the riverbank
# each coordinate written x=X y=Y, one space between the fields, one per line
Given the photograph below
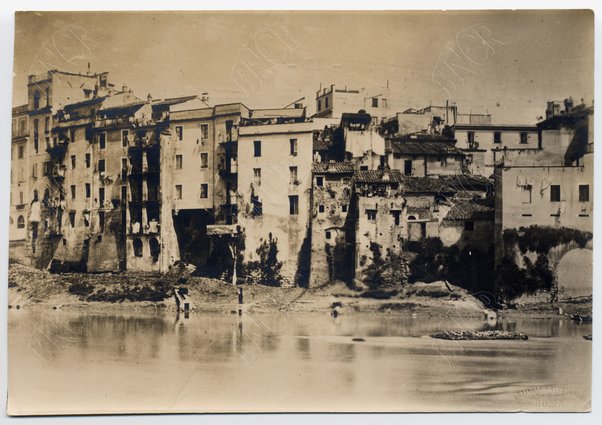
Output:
x=30 y=287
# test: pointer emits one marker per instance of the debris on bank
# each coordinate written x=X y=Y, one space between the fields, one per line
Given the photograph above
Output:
x=480 y=335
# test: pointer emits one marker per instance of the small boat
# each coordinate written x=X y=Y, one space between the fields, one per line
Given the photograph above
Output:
x=581 y=319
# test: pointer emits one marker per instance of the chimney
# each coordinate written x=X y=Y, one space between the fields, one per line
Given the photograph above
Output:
x=149 y=98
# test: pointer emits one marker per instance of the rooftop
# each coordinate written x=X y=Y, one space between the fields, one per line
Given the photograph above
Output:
x=411 y=147
x=466 y=210
x=333 y=167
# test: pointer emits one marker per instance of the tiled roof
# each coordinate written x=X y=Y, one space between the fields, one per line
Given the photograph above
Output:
x=462 y=210
x=321 y=145
x=405 y=147
x=332 y=167
x=409 y=184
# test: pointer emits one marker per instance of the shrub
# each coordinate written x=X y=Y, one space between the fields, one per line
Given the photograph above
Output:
x=266 y=270
x=81 y=288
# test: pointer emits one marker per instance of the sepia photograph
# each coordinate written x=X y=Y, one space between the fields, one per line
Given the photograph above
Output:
x=300 y=211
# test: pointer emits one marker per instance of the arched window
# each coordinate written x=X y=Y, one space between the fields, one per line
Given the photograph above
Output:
x=36 y=100
x=155 y=249
x=21 y=222
x=137 y=244
x=411 y=217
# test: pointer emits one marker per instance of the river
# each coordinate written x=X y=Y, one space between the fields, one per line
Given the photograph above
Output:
x=63 y=362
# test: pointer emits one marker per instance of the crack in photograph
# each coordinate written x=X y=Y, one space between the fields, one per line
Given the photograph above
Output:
x=305 y=211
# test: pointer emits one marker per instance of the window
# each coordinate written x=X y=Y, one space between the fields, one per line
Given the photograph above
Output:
x=21 y=152
x=72 y=135
x=526 y=194
x=293 y=145
x=86 y=216
x=178 y=162
x=21 y=198
x=319 y=181
x=293 y=204
x=375 y=102
x=497 y=137
x=363 y=168
x=102 y=143
x=46 y=168
x=88 y=191
x=101 y=197
x=327 y=234
x=73 y=190
x=72 y=218
x=137 y=245
x=35 y=134
x=204 y=160
x=124 y=168
x=319 y=105
x=584 y=193
x=73 y=159
x=469 y=226
x=36 y=100
x=555 y=193
x=293 y=175
x=407 y=167
x=101 y=221
x=101 y=165
x=179 y=132
x=371 y=215
x=204 y=131
x=344 y=208
x=34 y=171
x=155 y=249
x=229 y=127
x=47 y=125
x=125 y=135
x=204 y=190
x=470 y=138
x=396 y=217
x=88 y=161
x=325 y=103
x=256 y=177
x=257 y=148
x=321 y=208
x=178 y=194
x=524 y=137
x=21 y=222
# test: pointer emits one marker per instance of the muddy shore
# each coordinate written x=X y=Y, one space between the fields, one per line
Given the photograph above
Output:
x=30 y=287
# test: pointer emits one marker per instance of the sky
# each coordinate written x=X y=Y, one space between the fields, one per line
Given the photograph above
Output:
x=506 y=63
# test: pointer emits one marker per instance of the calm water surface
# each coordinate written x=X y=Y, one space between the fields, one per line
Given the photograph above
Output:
x=70 y=362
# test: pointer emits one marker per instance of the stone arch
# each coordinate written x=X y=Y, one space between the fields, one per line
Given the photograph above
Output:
x=574 y=273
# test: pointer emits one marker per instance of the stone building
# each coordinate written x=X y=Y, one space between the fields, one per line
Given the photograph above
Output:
x=334 y=101
x=332 y=243
x=423 y=156
x=486 y=144
x=20 y=196
x=274 y=182
x=554 y=185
